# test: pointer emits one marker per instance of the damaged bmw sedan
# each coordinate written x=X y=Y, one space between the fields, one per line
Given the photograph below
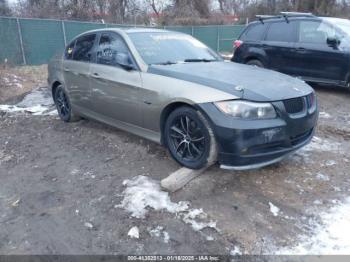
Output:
x=172 y=89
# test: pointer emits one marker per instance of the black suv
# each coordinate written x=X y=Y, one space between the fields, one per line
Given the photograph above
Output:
x=316 y=49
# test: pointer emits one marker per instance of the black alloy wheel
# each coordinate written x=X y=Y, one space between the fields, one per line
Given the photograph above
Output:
x=63 y=105
x=187 y=138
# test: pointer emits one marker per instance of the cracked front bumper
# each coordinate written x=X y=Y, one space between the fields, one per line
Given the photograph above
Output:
x=250 y=144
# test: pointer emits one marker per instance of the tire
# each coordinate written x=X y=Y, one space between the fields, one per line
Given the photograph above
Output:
x=63 y=105
x=190 y=139
x=255 y=62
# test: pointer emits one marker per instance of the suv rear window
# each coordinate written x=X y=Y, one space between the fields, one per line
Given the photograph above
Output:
x=254 y=32
x=281 y=32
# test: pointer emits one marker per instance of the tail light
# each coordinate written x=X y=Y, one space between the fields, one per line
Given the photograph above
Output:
x=237 y=44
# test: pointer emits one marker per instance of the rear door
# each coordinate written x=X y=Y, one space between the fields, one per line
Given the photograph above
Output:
x=316 y=59
x=76 y=70
x=279 y=46
x=115 y=90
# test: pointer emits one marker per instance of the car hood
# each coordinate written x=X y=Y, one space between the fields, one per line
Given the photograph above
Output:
x=246 y=82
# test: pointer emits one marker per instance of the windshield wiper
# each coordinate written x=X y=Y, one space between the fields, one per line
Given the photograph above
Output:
x=199 y=60
x=166 y=63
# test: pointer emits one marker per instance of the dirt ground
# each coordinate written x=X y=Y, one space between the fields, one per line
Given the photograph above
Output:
x=62 y=187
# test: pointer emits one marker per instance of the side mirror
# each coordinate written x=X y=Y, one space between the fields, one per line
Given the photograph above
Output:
x=124 y=61
x=333 y=42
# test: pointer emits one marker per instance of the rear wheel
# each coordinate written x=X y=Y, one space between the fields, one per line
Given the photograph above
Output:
x=255 y=62
x=190 y=139
x=63 y=105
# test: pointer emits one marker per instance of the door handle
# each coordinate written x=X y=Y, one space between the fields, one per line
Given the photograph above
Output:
x=66 y=69
x=96 y=75
x=301 y=49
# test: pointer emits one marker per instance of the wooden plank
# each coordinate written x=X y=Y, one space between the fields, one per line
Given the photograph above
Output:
x=180 y=178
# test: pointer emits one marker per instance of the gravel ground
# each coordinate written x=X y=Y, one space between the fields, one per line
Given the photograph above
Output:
x=75 y=189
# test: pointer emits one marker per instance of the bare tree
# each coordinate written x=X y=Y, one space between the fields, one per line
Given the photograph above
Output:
x=4 y=8
x=182 y=12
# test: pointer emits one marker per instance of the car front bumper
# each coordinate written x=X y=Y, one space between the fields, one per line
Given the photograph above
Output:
x=250 y=144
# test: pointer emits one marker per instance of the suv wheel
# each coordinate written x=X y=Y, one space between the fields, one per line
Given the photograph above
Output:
x=190 y=139
x=255 y=62
x=63 y=105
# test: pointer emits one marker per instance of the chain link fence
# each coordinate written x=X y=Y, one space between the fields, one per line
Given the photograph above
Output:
x=35 y=41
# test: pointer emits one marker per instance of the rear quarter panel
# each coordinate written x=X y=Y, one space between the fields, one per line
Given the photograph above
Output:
x=55 y=72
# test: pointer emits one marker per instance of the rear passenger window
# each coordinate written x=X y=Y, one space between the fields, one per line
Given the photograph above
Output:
x=83 y=48
x=254 y=32
x=281 y=32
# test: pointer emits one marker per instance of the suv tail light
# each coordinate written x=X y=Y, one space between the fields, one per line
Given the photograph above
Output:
x=237 y=44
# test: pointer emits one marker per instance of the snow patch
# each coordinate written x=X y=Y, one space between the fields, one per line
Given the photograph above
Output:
x=317 y=145
x=88 y=225
x=209 y=238
x=134 y=232
x=322 y=145
x=330 y=163
x=166 y=237
x=142 y=194
x=38 y=102
x=190 y=218
x=330 y=237
x=324 y=115
x=274 y=210
x=317 y=202
x=235 y=251
x=322 y=177
x=158 y=232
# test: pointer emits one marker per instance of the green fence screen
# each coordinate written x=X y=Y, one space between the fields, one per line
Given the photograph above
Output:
x=35 y=41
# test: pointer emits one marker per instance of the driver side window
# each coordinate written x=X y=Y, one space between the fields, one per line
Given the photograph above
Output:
x=110 y=45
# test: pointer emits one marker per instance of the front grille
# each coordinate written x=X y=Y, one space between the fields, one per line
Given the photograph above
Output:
x=294 y=105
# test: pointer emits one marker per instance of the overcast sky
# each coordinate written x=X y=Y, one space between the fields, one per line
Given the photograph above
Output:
x=11 y=1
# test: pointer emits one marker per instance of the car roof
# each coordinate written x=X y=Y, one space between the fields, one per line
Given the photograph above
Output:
x=279 y=19
x=127 y=30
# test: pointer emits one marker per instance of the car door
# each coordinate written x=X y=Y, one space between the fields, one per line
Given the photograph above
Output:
x=114 y=88
x=76 y=70
x=316 y=59
x=279 y=46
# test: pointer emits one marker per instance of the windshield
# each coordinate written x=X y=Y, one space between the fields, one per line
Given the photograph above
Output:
x=343 y=24
x=170 y=48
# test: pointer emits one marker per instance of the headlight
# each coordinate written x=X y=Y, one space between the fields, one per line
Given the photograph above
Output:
x=247 y=110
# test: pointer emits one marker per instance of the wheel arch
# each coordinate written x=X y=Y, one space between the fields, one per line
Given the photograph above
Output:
x=171 y=107
x=54 y=86
x=256 y=54
x=167 y=111
x=253 y=57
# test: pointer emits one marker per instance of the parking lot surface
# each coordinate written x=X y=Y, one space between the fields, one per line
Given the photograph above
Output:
x=86 y=188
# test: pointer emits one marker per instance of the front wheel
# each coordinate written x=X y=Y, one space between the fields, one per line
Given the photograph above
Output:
x=190 y=139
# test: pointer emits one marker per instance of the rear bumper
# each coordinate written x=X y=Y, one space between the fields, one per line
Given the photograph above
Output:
x=256 y=143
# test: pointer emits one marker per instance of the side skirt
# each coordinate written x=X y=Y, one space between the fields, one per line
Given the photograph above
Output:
x=136 y=130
